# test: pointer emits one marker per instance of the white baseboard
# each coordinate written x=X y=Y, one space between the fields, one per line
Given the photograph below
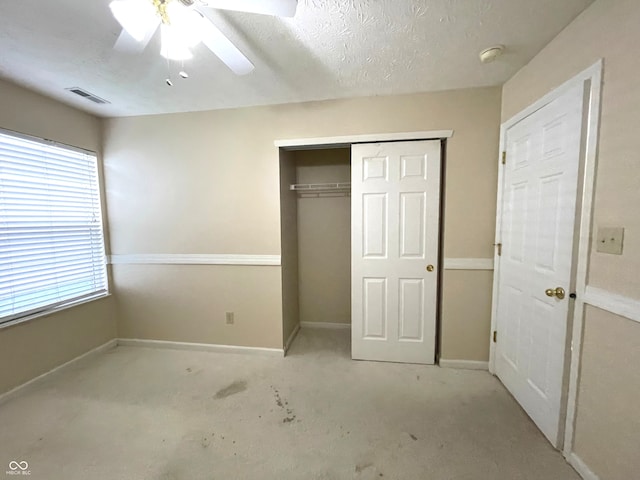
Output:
x=327 y=325
x=585 y=472
x=465 y=364
x=200 y=347
x=34 y=381
x=291 y=338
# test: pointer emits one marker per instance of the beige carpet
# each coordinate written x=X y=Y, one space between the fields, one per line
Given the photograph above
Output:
x=138 y=413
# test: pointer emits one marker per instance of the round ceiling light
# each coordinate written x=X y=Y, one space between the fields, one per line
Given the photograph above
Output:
x=488 y=55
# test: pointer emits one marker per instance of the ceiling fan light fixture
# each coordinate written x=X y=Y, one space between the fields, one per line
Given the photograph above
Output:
x=173 y=46
x=137 y=17
x=185 y=22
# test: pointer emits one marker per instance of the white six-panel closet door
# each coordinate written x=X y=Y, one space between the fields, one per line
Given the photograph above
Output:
x=395 y=204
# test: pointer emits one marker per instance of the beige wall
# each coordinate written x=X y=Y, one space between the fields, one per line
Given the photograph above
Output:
x=607 y=430
x=608 y=420
x=187 y=303
x=30 y=113
x=466 y=314
x=289 y=245
x=32 y=348
x=324 y=238
x=209 y=182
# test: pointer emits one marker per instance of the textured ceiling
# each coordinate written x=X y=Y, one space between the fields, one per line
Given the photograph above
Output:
x=331 y=49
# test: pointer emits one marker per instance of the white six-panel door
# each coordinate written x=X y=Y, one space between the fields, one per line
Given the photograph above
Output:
x=395 y=189
x=538 y=220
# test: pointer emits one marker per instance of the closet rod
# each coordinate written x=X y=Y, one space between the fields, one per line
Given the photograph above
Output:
x=321 y=187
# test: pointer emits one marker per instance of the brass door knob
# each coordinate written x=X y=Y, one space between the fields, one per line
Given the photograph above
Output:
x=430 y=268
x=557 y=292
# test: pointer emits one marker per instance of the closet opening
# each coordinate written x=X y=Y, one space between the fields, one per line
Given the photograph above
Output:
x=316 y=249
x=361 y=245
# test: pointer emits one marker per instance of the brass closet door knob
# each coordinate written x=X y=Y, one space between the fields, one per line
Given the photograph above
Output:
x=557 y=292
x=430 y=268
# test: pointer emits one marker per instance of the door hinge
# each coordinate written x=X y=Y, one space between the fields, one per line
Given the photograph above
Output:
x=504 y=158
x=495 y=336
x=499 y=247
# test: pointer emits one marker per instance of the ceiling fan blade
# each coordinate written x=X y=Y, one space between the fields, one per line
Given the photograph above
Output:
x=223 y=48
x=280 y=8
x=137 y=17
x=127 y=44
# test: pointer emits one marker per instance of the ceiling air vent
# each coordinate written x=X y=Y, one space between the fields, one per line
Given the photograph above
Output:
x=87 y=95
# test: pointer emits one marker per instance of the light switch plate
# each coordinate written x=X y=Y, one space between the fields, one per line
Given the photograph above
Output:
x=610 y=240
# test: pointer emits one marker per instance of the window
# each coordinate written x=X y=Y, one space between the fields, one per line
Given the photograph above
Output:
x=51 y=239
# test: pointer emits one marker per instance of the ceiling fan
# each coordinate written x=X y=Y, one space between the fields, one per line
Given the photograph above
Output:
x=184 y=24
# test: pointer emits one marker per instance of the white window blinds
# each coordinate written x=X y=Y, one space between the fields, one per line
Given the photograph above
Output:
x=51 y=240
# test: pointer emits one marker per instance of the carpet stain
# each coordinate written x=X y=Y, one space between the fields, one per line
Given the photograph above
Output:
x=276 y=395
x=283 y=404
x=363 y=466
x=413 y=436
x=236 y=387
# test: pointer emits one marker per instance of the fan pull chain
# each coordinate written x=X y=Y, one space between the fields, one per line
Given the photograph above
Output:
x=182 y=73
x=168 y=80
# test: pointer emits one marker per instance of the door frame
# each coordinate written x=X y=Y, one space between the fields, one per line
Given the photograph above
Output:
x=345 y=141
x=348 y=140
x=591 y=78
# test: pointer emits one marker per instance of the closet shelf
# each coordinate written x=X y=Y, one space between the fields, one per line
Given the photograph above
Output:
x=321 y=187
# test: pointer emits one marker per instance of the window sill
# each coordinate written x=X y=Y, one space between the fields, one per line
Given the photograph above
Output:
x=54 y=310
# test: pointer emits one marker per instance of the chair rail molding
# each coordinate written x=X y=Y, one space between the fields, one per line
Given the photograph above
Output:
x=468 y=263
x=612 y=302
x=193 y=259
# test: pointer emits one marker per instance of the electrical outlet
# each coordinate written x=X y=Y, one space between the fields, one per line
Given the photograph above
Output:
x=229 y=317
x=610 y=240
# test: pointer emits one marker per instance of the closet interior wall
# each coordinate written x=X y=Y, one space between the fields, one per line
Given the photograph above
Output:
x=324 y=237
